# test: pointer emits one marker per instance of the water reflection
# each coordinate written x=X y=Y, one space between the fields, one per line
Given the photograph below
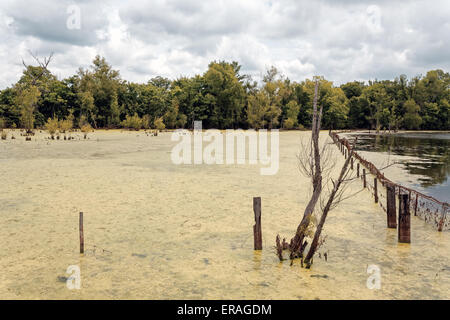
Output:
x=431 y=153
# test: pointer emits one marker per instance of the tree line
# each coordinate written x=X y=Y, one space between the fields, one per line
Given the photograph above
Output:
x=222 y=98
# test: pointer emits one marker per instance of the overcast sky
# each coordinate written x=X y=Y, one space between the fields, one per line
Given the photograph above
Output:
x=342 y=40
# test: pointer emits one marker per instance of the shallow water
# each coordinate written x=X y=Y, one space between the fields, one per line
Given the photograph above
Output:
x=185 y=232
x=423 y=155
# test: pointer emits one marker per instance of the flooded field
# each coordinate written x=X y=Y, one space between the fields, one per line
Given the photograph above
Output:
x=156 y=230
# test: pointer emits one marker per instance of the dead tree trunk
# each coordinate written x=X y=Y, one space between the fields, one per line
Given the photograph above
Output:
x=331 y=199
x=297 y=245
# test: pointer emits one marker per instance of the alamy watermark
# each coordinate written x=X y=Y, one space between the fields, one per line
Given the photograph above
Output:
x=374 y=280
x=73 y=22
x=227 y=148
x=373 y=21
x=73 y=282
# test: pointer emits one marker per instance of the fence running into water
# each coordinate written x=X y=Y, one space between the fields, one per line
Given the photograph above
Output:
x=425 y=207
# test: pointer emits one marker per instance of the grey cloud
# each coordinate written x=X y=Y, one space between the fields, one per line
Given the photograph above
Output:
x=337 y=39
x=47 y=20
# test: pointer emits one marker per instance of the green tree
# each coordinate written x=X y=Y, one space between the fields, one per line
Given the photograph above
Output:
x=353 y=89
x=87 y=107
x=378 y=100
x=224 y=93
x=28 y=98
x=292 y=115
x=102 y=83
x=257 y=107
x=412 y=119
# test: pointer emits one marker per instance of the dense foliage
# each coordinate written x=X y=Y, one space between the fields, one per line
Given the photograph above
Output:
x=223 y=98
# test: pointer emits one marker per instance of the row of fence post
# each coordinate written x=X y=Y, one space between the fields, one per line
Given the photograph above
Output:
x=404 y=217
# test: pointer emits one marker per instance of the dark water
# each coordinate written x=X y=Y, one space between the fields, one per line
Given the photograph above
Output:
x=432 y=154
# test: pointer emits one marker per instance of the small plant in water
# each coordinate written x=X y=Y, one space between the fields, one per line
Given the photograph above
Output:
x=52 y=126
x=134 y=122
x=86 y=129
x=66 y=125
x=159 y=124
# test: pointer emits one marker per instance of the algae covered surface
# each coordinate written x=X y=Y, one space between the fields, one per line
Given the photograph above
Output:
x=156 y=230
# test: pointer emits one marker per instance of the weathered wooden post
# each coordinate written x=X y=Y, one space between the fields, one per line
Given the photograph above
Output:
x=351 y=163
x=357 y=169
x=257 y=233
x=375 y=189
x=404 y=219
x=409 y=200
x=442 y=221
x=417 y=202
x=390 y=207
x=81 y=234
x=364 y=178
x=345 y=153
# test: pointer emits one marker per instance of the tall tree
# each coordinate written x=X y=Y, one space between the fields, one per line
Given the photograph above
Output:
x=412 y=118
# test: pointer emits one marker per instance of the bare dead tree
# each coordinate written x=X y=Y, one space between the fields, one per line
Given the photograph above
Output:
x=334 y=198
x=313 y=169
x=317 y=163
x=42 y=64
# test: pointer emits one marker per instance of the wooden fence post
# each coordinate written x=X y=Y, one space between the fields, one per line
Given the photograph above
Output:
x=442 y=221
x=409 y=200
x=390 y=207
x=357 y=169
x=257 y=233
x=364 y=178
x=404 y=219
x=351 y=163
x=375 y=189
x=81 y=234
x=417 y=202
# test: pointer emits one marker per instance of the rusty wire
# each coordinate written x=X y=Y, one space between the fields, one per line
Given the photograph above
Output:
x=424 y=206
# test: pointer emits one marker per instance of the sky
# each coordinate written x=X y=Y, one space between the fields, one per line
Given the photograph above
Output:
x=341 y=40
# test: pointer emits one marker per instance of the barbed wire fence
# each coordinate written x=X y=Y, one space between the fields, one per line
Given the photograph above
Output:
x=425 y=207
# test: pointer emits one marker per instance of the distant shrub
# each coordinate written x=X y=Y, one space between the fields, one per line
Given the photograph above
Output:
x=289 y=123
x=2 y=124
x=82 y=121
x=146 y=121
x=182 y=120
x=52 y=126
x=133 y=122
x=159 y=124
x=86 y=128
x=66 y=125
